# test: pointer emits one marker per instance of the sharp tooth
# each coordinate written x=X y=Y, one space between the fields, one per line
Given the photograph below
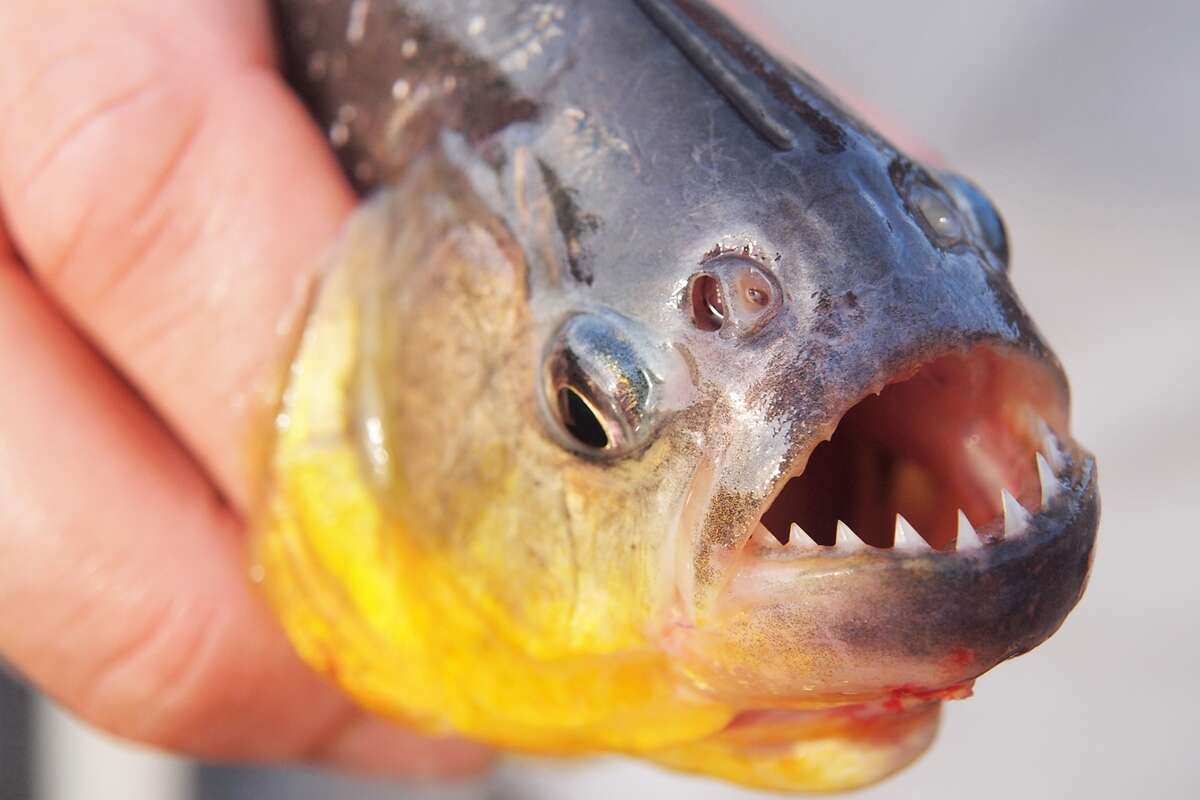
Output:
x=907 y=537
x=846 y=540
x=1016 y=518
x=798 y=539
x=1050 y=445
x=1048 y=479
x=764 y=538
x=968 y=539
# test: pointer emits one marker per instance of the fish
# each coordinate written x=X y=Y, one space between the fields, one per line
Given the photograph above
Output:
x=651 y=402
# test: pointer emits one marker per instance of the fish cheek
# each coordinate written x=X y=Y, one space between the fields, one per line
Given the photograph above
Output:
x=623 y=520
x=422 y=522
x=446 y=382
x=562 y=550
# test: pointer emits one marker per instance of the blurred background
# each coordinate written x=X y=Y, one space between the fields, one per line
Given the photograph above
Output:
x=1082 y=120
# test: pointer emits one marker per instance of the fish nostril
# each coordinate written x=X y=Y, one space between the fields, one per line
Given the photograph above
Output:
x=754 y=292
x=708 y=307
x=734 y=295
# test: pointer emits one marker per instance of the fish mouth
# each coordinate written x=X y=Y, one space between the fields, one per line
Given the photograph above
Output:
x=960 y=455
x=946 y=523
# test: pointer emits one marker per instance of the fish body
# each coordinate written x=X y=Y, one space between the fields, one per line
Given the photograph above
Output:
x=653 y=403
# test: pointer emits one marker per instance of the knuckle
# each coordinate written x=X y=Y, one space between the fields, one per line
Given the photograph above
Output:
x=149 y=686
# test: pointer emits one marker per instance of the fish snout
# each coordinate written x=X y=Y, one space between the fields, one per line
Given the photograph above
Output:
x=945 y=523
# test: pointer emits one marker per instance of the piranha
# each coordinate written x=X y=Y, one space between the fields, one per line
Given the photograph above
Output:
x=651 y=402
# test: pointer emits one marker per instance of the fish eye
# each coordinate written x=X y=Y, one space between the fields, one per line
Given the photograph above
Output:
x=599 y=391
x=938 y=212
x=930 y=204
x=734 y=295
x=988 y=223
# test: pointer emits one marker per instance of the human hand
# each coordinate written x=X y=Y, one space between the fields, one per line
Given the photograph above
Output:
x=165 y=201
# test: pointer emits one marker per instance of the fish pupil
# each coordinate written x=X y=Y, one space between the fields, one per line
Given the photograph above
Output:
x=580 y=421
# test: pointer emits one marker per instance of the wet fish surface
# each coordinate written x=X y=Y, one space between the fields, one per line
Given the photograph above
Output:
x=653 y=403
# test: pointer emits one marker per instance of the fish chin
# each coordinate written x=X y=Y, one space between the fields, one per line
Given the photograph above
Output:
x=825 y=751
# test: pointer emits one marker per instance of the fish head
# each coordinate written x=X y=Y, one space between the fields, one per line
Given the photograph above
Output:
x=814 y=473
x=649 y=434
x=841 y=443
x=887 y=499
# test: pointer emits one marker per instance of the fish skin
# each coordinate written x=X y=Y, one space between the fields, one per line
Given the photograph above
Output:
x=429 y=544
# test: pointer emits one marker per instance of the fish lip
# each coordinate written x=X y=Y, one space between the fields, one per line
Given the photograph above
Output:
x=889 y=702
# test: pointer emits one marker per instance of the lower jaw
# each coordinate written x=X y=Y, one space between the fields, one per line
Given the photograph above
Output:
x=854 y=628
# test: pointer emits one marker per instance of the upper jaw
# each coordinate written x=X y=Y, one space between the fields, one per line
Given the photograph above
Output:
x=1056 y=465
x=953 y=453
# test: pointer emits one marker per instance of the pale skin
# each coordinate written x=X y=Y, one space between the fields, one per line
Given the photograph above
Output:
x=165 y=203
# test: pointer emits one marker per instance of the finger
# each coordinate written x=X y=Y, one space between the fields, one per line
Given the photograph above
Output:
x=122 y=587
x=169 y=190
